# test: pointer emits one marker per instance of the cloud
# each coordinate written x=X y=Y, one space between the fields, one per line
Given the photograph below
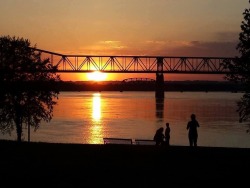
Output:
x=162 y=48
x=107 y=47
x=109 y=42
x=226 y=36
x=209 y=49
x=223 y=45
x=191 y=48
x=157 y=42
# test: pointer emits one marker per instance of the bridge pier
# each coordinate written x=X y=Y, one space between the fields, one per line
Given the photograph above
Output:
x=159 y=102
x=159 y=88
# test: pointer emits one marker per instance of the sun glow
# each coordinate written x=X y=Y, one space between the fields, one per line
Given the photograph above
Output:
x=97 y=76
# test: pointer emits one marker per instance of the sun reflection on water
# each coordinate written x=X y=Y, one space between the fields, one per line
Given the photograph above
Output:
x=96 y=107
x=96 y=129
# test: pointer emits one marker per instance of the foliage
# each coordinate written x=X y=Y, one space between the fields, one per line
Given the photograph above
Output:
x=28 y=89
x=240 y=67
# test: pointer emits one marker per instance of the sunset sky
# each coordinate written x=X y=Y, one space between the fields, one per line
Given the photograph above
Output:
x=126 y=27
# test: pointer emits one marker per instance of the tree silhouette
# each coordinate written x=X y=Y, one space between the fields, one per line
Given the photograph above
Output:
x=240 y=67
x=28 y=86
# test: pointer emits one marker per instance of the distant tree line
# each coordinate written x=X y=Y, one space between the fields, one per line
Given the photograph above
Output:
x=150 y=86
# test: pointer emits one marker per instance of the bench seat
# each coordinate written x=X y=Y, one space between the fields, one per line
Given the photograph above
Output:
x=144 y=142
x=117 y=141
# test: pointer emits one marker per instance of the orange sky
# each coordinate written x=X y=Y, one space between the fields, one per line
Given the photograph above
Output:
x=127 y=27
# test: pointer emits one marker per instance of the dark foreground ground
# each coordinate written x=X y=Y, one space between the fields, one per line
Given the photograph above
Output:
x=80 y=165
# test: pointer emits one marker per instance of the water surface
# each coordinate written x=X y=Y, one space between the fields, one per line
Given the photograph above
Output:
x=87 y=117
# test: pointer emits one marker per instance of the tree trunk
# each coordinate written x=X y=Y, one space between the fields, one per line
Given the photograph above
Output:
x=18 y=124
x=19 y=132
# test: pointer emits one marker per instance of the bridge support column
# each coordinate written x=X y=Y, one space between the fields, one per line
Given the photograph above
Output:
x=159 y=89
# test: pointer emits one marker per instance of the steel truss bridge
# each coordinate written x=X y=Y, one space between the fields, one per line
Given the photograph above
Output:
x=138 y=64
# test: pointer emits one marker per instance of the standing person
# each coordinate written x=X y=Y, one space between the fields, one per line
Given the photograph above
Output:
x=193 y=133
x=167 y=134
x=159 y=136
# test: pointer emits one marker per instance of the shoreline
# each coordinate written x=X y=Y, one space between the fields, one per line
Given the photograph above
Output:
x=114 y=165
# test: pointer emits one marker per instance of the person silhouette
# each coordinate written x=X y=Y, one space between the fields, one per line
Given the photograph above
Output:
x=167 y=134
x=159 y=136
x=192 y=130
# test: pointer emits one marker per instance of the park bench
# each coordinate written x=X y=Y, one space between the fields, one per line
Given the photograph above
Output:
x=144 y=142
x=117 y=141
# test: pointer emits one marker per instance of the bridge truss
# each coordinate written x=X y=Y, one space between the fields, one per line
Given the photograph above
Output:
x=137 y=64
x=137 y=80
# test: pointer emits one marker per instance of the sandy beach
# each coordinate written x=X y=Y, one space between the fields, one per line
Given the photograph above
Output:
x=86 y=165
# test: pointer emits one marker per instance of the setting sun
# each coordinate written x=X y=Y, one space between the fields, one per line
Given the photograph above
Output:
x=97 y=76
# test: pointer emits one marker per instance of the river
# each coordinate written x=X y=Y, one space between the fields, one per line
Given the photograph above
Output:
x=88 y=117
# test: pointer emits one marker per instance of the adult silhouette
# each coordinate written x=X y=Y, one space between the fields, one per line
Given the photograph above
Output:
x=192 y=130
x=167 y=134
x=159 y=136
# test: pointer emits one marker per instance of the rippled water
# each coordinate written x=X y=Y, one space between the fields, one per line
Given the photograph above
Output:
x=87 y=117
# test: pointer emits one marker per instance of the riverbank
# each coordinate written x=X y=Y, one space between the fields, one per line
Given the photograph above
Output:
x=86 y=165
